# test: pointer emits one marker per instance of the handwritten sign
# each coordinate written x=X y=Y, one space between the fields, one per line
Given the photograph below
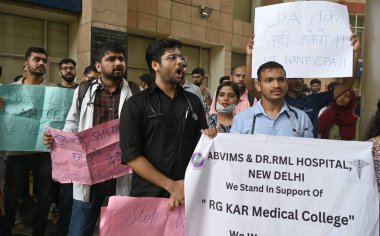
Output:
x=88 y=157
x=141 y=216
x=28 y=110
x=311 y=39
x=266 y=185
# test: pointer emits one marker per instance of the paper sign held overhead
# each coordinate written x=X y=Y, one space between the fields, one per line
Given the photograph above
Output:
x=311 y=39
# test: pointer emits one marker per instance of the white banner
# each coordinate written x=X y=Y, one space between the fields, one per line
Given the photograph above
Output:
x=310 y=39
x=257 y=185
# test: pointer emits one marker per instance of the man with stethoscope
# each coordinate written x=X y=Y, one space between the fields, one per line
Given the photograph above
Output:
x=271 y=115
x=160 y=127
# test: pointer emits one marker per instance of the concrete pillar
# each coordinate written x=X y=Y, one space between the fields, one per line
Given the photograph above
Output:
x=370 y=84
x=217 y=57
x=255 y=3
x=110 y=15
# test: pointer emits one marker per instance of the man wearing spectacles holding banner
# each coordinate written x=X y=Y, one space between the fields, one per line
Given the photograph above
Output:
x=160 y=127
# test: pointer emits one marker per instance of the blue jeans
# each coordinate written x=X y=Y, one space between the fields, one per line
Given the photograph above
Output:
x=85 y=214
x=17 y=170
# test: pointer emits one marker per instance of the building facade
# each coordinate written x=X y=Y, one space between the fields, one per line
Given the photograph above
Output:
x=216 y=43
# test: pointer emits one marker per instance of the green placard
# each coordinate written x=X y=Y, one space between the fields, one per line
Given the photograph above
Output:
x=28 y=110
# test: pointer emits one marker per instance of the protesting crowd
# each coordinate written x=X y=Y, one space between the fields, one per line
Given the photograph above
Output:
x=161 y=122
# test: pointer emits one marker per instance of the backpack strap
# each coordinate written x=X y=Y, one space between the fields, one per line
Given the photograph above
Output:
x=83 y=87
x=134 y=87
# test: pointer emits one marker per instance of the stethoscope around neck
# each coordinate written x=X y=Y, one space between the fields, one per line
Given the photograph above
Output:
x=159 y=114
x=299 y=130
x=97 y=84
x=194 y=116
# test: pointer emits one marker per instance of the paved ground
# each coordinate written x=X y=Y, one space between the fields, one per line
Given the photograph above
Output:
x=27 y=209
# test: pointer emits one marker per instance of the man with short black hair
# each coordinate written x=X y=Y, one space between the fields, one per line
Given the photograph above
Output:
x=247 y=98
x=315 y=85
x=67 y=71
x=101 y=102
x=90 y=72
x=313 y=103
x=146 y=80
x=20 y=163
x=332 y=85
x=198 y=75
x=161 y=126
x=271 y=115
x=192 y=88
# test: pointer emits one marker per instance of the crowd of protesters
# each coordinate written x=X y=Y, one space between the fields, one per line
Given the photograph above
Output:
x=161 y=122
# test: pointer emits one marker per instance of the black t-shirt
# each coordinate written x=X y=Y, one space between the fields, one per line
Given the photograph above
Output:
x=163 y=130
x=311 y=105
x=73 y=87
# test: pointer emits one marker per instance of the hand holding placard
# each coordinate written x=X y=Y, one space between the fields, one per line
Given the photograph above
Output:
x=27 y=110
x=141 y=216
x=88 y=157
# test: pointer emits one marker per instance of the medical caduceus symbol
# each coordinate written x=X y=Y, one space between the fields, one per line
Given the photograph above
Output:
x=359 y=164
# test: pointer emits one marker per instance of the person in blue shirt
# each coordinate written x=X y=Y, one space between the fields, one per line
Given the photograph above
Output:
x=314 y=102
x=271 y=115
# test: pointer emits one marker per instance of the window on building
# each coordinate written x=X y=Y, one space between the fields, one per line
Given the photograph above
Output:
x=197 y=57
x=136 y=57
x=237 y=60
x=242 y=10
x=19 y=33
x=357 y=23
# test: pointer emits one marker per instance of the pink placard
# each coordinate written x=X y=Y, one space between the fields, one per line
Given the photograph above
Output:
x=88 y=157
x=141 y=216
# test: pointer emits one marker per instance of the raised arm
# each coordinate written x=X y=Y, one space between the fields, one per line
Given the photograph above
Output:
x=248 y=80
x=348 y=82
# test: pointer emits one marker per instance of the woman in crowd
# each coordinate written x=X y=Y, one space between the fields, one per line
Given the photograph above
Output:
x=339 y=121
x=227 y=96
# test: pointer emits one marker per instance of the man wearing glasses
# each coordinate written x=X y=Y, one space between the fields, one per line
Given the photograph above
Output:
x=160 y=127
x=90 y=72
x=67 y=71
